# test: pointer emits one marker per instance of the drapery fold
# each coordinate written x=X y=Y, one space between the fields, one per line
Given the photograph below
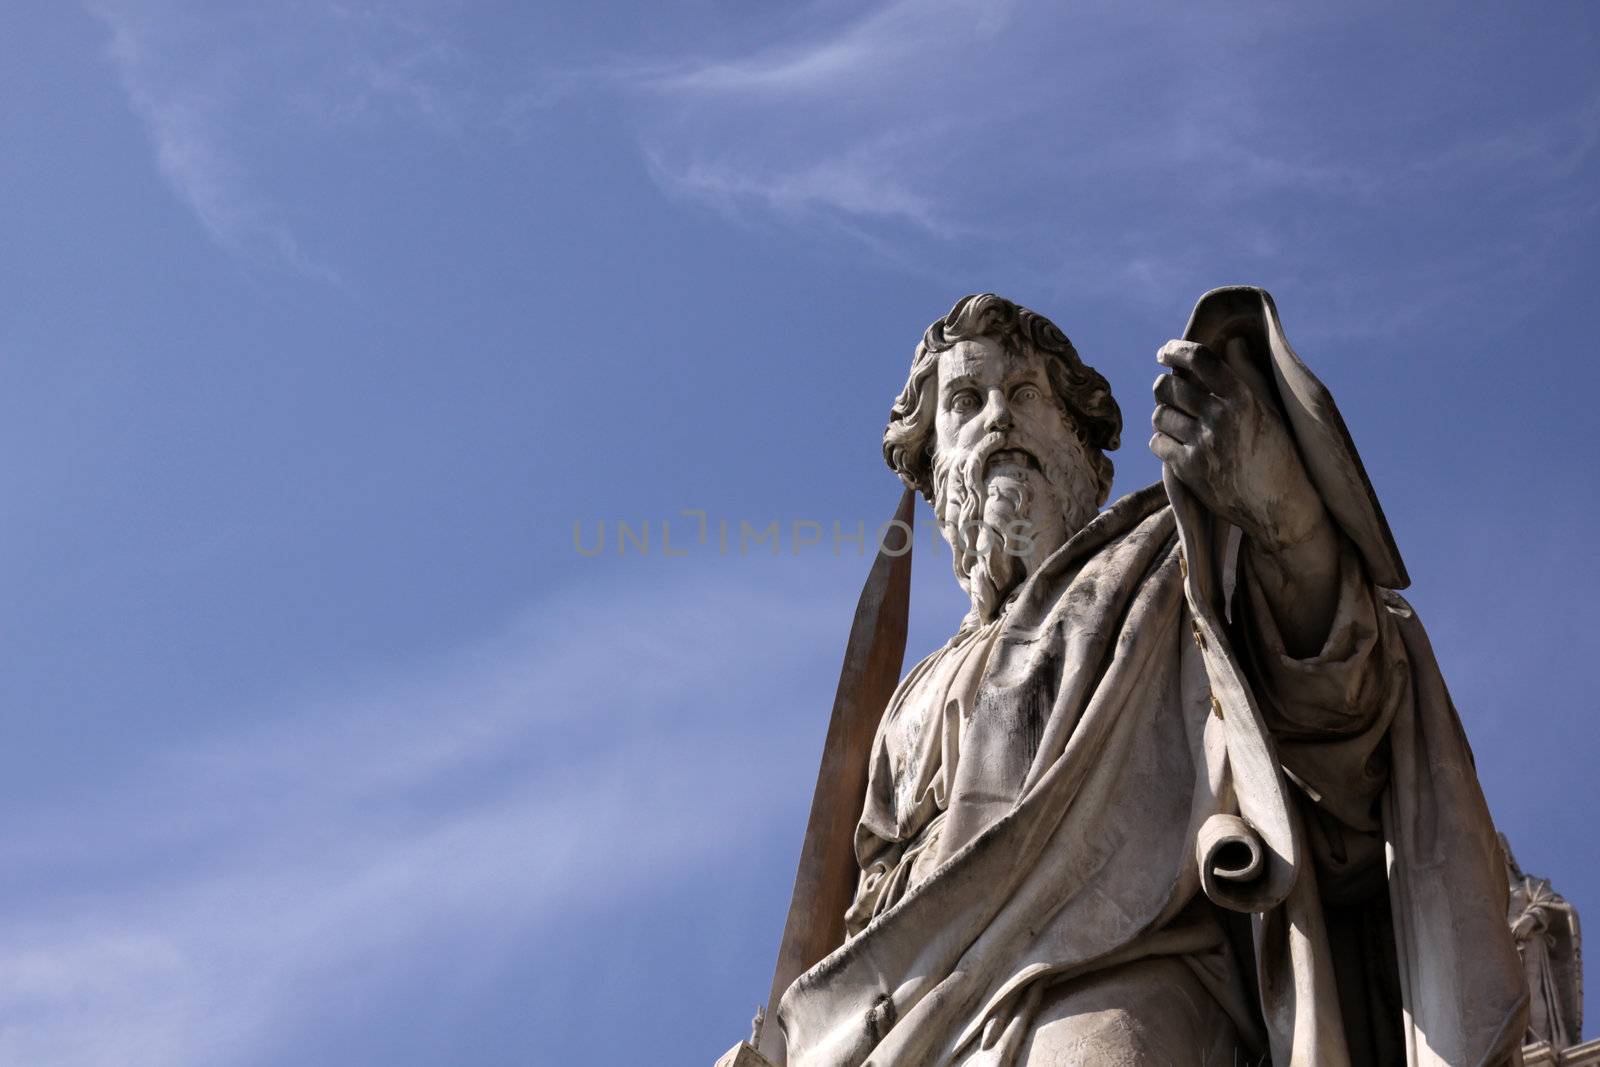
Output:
x=1120 y=713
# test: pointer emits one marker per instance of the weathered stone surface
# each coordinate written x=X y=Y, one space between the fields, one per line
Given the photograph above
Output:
x=1541 y=1054
x=1153 y=723
x=1544 y=927
x=742 y=1055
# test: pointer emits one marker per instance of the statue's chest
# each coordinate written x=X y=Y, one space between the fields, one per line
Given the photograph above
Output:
x=923 y=735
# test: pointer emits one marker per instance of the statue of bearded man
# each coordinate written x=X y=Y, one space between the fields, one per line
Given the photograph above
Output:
x=1186 y=786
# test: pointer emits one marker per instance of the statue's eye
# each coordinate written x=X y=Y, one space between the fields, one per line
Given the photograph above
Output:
x=1026 y=393
x=964 y=402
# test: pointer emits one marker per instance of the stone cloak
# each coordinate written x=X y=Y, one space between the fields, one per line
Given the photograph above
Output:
x=1101 y=749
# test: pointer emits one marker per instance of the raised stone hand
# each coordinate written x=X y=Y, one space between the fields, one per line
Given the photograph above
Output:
x=1231 y=448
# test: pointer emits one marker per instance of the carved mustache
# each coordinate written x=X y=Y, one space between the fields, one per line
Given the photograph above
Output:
x=995 y=450
x=1018 y=457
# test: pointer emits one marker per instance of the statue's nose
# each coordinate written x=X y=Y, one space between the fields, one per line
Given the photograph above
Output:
x=1000 y=421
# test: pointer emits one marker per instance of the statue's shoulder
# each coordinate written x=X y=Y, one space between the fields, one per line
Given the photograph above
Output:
x=1134 y=525
x=1142 y=513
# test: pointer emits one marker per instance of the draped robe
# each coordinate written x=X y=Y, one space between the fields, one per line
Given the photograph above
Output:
x=1048 y=793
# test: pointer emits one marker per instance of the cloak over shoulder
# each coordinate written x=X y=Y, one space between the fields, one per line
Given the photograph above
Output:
x=1126 y=737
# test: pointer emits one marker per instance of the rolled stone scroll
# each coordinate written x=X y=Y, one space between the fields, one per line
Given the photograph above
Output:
x=1233 y=864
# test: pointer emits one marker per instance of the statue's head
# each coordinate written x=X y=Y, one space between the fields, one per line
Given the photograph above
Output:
x=1004 y=430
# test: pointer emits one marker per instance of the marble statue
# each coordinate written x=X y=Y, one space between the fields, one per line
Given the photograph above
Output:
x=1185 y=786
x=1544 y=928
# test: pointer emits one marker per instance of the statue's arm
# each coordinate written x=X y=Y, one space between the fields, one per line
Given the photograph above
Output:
x=1322 y=654
x=1231 y=448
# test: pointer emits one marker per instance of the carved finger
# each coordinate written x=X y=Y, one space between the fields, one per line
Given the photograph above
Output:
x=1175 y=424
x=1199 y=364
x=1184 y=395
x=1167 y=449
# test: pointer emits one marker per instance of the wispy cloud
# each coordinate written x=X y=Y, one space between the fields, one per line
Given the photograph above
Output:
x=1090 y=152
x=186 y=114
x=208 y=83
x=863 y=182
x=1106 y=152
x=201 y=907
x=742 y=132
x=926 y=123
x=1552 y=149
x=874 y=47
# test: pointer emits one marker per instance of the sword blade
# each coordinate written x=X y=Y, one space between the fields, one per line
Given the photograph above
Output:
x=825 y=881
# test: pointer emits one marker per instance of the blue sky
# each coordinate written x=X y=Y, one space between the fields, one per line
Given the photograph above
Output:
x=325 y=322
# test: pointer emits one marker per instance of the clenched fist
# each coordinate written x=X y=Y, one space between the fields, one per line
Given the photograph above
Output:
x=1231 y=448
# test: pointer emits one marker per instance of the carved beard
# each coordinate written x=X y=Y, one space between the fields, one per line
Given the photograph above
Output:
x=1002 y=521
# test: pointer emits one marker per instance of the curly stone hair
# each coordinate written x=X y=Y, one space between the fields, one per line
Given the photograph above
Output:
x=1083 y=395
